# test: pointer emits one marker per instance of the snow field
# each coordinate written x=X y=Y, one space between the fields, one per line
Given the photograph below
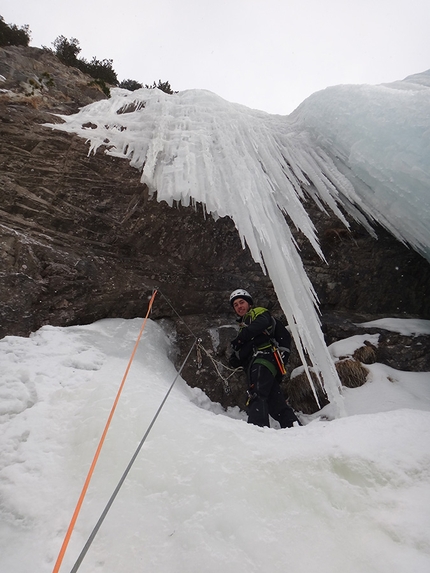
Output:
x=208 y=492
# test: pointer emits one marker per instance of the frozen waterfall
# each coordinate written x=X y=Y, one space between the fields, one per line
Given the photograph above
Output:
x=364 y=149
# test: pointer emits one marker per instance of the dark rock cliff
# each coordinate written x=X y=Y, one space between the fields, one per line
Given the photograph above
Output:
x=80 y=241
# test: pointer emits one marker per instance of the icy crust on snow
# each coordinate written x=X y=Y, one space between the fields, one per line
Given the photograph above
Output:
x=379 y=137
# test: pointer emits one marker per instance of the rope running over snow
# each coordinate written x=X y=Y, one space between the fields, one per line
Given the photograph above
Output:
x=100 y=445
x=128 y=468
x=197 y=342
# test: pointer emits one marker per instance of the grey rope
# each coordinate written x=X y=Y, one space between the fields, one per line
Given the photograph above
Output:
x=127 y=470
x=215 y=363
x=177 y=313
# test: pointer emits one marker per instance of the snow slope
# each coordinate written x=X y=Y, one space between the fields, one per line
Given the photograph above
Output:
x=208 y=492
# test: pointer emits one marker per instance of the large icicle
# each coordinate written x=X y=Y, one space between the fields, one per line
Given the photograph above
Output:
x=249 y=165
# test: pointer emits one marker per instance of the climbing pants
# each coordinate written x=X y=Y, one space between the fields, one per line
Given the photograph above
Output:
x=266 y=399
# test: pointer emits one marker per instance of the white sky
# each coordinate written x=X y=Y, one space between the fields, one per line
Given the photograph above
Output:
x=265 y=54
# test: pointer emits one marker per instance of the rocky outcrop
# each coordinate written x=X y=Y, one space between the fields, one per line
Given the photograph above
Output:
x=80 y=240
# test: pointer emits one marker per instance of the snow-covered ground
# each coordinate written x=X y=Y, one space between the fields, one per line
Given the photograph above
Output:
x=208 y=492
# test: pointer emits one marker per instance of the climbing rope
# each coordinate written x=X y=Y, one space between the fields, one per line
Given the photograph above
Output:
x=99 y=447
x=177 y=314
x=128 y=468
x=200 y=348
x=216 y=363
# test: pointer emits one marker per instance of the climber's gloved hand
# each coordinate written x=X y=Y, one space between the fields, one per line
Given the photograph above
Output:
x=236 y=343
x=234 y=361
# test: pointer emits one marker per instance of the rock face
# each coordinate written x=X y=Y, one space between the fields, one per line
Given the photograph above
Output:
x=81 y=241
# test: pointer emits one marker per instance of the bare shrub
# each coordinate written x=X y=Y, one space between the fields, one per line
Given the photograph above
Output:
x=366 y=354
x=301 y=397
x=351 y=372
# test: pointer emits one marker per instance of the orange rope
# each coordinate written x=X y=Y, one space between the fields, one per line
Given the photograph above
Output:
x=102 y=439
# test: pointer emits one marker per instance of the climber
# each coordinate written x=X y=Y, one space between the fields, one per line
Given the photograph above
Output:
x=252 y=349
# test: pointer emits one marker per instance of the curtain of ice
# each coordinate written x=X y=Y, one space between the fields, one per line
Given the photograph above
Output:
x=251 y=166
x=379 y=137
x=196 y=147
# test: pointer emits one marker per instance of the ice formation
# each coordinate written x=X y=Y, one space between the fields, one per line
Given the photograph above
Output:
x=379 y=137
x=362 y=148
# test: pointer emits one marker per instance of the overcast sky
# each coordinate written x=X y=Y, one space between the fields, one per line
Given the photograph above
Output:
x=265 y=54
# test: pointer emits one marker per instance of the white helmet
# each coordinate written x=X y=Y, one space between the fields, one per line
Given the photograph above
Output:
x=240 y=293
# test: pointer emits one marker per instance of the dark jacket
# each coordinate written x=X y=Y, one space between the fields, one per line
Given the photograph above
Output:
x=254 y=335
